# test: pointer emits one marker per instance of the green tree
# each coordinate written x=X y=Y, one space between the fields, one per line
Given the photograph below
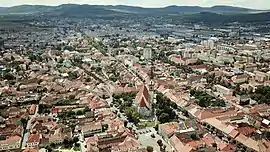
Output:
x=164 y=117
x=79 y=112
x=70 y=113
x=75 y=140
x=48 y=148
x=214 y=145
x=24 y=122
x=149 y=149
x=86 y=109
x=160 y=143
x=8 y=76
x=193 y=137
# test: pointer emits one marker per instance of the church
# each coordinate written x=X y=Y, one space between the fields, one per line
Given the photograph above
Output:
x=143 y=102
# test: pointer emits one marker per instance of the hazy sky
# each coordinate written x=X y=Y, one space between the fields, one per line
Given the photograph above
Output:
x=260 y=4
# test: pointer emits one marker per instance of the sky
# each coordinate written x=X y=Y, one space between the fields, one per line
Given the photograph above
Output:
x=256 y=4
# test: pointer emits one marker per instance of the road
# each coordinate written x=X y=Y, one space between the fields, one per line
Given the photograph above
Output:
x=27 y=133
x=82 y=143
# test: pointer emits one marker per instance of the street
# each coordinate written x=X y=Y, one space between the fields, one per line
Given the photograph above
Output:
x=27 y=133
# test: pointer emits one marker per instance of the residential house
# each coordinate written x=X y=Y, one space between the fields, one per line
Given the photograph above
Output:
x=92 y=128
x=58 y=134
x=168 y=129
x=32 y=109
x=10 y=143
x=30 y=150
x=261 y=76
x=223 y=90
x=237 y=79
x=33 y=140
x=95 y=102
x=182 y=61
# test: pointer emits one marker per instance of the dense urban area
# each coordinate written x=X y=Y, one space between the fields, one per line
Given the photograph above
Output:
x=133 y=83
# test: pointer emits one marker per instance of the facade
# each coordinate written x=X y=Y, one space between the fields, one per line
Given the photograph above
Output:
x=261 y=76
x=13 y=142
x=209 y=44
x=33 y=140
x=147 y=53
x=91 y=129
x=240 y=79
x=223 y=90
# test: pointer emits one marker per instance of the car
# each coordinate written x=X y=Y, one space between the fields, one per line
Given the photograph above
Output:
x=153 y=136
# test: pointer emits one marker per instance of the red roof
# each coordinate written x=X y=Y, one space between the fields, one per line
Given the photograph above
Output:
x=143 y=97
x=33 y=138
x=30 y=150
x=246 y=130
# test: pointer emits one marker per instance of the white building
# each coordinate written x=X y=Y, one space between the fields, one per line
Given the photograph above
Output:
x=223 y=90
x=209 y=44
x=147 y=53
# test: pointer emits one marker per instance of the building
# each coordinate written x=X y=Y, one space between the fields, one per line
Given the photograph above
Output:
x=143 y=101
x=209 y=44
x=33 y=140
x=147 y=53
x=30 y=150
x=32 y=109
x=223 y=90
x=2 y=44
x=240 y=79
x=13 y=142
x=90 y=129
x=261 y=76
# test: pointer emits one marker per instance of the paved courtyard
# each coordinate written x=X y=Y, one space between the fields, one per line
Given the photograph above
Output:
x=146 y=139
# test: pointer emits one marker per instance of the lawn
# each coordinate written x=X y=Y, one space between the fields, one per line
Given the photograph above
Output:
x=147 y=124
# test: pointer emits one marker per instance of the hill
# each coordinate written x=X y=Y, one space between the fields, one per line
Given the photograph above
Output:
x=208 y=17
x=103 y=9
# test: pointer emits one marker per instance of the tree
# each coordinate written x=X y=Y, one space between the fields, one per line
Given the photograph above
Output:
x=164 y=117
x=67 y=143
x=193 y=137
x=125 y=123
x=72 y=97
x=150 y=149
x=70 y=113
x=24 y=122
x=53 y=145
x=159 y=142
x=86 y=109
x=214 y=145
x=79 y=112
x=75 y=140
x=49 y=149
x=8 y=76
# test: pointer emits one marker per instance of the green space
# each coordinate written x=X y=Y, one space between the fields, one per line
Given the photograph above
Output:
x=124 y=102
x=261 y=95
x=147 y=124
x=165 y=109
x=205 y=100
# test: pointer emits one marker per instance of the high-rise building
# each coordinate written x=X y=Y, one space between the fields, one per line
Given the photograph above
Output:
x=209 y=44
x=147 y=53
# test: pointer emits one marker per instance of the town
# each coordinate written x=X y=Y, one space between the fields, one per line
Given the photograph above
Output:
x=120 y=85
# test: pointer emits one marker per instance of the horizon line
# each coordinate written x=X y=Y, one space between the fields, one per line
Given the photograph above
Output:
x=207 y=6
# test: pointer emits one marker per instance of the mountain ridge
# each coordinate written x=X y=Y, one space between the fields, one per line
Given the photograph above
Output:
x=175 y=9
